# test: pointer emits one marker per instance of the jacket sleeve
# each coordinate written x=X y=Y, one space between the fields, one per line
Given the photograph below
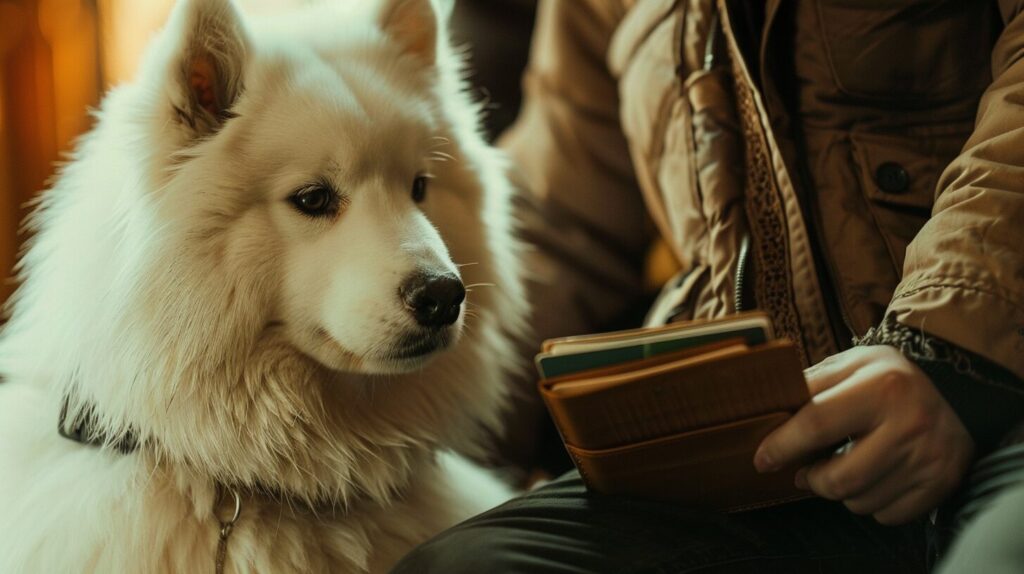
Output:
x=963 y=278
x=581 y=213
x=983 y=394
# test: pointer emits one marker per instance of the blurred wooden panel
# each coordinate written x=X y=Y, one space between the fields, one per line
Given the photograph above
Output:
x=49 y=78
x=12 y=26
x=69 y=28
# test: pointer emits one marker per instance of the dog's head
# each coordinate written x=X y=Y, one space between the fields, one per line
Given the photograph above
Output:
x=314 y=167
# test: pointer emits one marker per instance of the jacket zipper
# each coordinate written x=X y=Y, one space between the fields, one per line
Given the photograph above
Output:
x=741 y=273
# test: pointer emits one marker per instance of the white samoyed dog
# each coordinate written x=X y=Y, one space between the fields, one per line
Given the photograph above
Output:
x=271 y=292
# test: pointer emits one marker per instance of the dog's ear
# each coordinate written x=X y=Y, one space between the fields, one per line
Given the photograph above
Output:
x=208 y=62
x=413 y=24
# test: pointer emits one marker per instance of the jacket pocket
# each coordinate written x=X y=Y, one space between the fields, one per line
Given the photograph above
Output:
x=907 y=50
x=898 y=176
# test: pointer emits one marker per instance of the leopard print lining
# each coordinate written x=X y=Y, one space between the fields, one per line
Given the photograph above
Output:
x=766 y=219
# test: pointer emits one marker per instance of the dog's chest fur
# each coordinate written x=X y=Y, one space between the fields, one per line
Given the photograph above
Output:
x=82 y=510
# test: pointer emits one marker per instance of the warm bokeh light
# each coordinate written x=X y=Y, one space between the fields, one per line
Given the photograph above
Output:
x=127 y=27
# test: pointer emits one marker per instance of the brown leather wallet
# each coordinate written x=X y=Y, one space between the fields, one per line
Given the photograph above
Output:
x=682 y=426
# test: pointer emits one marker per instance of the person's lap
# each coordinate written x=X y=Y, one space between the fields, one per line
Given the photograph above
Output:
x=561 y=529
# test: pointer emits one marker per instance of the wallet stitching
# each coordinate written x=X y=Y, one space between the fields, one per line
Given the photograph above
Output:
x=579 y=467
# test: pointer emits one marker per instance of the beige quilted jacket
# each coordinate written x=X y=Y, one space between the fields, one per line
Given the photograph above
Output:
x=831 y=162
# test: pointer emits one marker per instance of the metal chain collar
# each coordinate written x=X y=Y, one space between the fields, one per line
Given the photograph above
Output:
x=225 y=530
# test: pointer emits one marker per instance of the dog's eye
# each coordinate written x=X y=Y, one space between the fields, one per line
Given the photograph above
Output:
x=419 y=188
x=315 y=200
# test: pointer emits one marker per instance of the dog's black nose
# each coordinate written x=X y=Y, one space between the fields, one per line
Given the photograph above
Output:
x=435 y=300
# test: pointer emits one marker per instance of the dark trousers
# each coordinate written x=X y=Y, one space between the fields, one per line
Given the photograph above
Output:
x=562 y=529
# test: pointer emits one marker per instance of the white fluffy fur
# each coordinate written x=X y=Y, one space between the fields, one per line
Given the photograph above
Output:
x=172 y=286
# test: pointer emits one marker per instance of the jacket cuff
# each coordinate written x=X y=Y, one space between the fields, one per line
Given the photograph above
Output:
x=976 y=316
x=988 y=398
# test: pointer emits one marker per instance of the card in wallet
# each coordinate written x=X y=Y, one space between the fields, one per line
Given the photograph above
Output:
x=682 y=424
x=573 y=354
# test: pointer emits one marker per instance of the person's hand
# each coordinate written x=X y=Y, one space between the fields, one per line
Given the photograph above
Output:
x=910 y=449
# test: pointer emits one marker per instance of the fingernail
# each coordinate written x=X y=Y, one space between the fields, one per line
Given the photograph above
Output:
x=763 y=462
x=800 y=480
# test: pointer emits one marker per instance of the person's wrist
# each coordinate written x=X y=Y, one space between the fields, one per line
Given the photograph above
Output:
x=987 y=398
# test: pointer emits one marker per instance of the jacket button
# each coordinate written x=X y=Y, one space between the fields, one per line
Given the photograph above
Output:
x=892 y=178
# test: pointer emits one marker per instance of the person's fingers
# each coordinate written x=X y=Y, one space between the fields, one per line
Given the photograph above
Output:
x=883 y=493
x=858 y=470
x=821 y=423
x=834 y=370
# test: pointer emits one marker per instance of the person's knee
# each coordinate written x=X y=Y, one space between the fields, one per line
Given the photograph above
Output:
x=454 y=552
x=510 y=537
x=992 y=540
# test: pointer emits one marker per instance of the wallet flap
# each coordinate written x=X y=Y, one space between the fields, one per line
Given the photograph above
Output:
x=710 y=468
x=680 y=396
